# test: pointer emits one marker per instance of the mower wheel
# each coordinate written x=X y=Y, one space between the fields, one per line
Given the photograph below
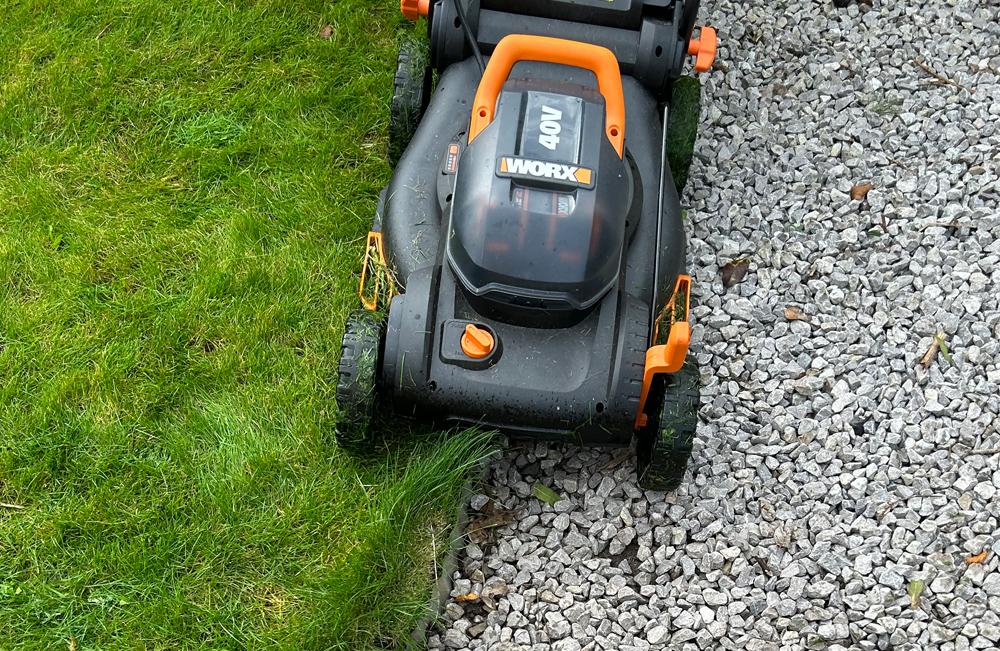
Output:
x=357 y=379
x=411 y=93
x=682 y=127
x=665 y=447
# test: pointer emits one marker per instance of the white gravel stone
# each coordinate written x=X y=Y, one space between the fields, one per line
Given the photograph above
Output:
x=831 y=466
x=657 y=634
x=714 y=597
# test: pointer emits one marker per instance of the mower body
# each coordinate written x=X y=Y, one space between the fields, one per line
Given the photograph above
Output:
x=531 y=236
x=560 y=272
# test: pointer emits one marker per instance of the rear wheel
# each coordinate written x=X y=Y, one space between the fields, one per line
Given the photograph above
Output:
x=411 y=92
x=682 y=127
x=665 y=445
x=357 y=380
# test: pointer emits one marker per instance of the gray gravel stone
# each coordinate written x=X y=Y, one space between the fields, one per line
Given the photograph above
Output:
x=831 y=466
x=657 y=634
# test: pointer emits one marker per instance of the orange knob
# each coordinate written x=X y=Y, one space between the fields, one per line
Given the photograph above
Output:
x=477 y=343
x=704 y=48
x=414 y=9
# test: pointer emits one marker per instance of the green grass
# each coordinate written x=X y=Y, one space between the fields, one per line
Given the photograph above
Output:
x=184 y=191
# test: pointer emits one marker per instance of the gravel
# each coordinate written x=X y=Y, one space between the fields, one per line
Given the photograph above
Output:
x=832 y=469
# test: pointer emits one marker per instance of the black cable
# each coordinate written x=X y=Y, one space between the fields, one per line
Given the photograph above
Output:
x=469 y=36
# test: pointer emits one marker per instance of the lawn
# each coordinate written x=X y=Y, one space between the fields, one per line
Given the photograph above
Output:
x=184 y=193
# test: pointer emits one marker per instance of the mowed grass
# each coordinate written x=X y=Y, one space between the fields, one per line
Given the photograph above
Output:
x=184 y=191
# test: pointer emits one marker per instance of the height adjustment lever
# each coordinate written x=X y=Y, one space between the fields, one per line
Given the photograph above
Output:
x=704 y=48
x=414 y=9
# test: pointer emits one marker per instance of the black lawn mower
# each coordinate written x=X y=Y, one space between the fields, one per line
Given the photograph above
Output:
x=526 y=267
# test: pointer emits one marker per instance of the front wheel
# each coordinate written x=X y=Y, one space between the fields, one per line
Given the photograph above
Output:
x=664 y=446
x=357 y=380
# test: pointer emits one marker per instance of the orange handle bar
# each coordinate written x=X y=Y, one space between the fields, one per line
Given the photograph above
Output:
x=519 y=47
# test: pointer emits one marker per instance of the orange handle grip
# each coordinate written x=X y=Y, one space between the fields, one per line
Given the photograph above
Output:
x=519 y=47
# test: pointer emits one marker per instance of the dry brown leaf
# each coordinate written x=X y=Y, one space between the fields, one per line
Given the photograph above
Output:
x=491 y=593
x=793 y=313
x=931 y=353
x=498 y=589
x=734 y=272
x=326 y=32
x=978 y=558
x=860 y=191
x=481 y=528
x=466 y=598
x=617 y=459
x=71 y=643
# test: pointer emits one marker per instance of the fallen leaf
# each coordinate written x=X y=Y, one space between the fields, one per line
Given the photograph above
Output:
x=326 y=32
x=793 y=313
x=735 y=271
x=883 y=510
x=978 y=558
x=480 y=529
x=931 y=353
x=466 y=598
x=860 y=191
x=617 y=459
x=915 y=590
x=943 y=345
x=545 y=494
x=498 y=589
x=492 y=592
x=71 y=643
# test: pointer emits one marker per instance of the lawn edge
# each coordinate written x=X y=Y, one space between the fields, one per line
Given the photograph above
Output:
x=449 y=564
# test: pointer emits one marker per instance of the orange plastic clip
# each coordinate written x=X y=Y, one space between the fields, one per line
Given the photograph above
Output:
x=704 y=48
x=414 y=9
x=375 y=266
x=668 y=357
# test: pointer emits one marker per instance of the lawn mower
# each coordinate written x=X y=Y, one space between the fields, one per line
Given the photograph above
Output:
x=526 y=268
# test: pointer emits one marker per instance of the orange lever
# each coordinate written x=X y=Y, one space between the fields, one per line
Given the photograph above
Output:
x=668 y=358
x=477 y=343
x=704 y=48
x=414 y=9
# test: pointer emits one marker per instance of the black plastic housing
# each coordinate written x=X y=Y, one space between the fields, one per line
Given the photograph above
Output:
x=649 y=37
x=545 y=241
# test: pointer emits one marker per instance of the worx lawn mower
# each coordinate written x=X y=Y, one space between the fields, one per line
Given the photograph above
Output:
x=526 y=268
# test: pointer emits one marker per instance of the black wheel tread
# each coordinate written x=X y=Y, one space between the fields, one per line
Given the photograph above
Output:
x=669 y=440
x=411 y=88
x=357 y=380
